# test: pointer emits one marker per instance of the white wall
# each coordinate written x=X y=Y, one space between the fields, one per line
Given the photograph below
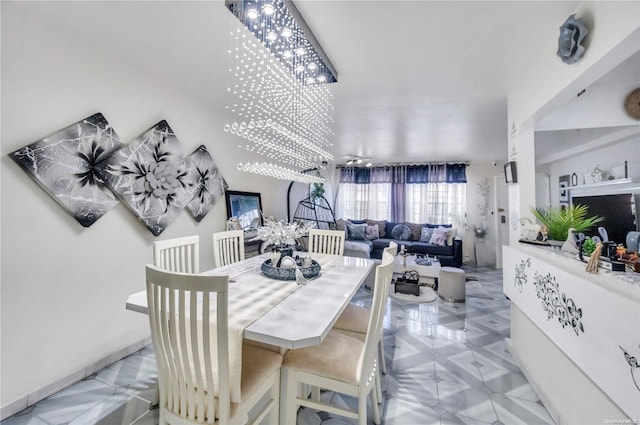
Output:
x=476 y=173
x=606 y=158
x=64 y=286
x=614 y=36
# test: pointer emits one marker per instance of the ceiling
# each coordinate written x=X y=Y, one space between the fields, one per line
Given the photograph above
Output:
x=417 y=80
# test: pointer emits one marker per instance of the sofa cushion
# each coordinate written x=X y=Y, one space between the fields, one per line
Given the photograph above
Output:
x=401 y=232
x=382 y=243
x=452 y=235
x=416 y=230
x=427 y=248
x=356 y=232
x=341 y=224
x=388 y=227
x=425 y=234
x=358 y=248
x=440 y=236
x=381 y=226
x=372 y=232
x=358 y=221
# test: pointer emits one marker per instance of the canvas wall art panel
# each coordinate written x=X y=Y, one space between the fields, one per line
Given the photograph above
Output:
x=65 y=165
x=210 y=185
x=152 y=176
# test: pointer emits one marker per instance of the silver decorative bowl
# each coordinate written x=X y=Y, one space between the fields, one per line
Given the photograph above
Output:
x=290 y=273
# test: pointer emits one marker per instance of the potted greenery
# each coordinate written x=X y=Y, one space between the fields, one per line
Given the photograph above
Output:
x=559 y=220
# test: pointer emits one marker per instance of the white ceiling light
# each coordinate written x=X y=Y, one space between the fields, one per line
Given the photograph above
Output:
x=268 y=9
x=281 y=112
x=252 y=13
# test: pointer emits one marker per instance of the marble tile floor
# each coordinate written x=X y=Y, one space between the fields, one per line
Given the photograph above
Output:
x=448 y=364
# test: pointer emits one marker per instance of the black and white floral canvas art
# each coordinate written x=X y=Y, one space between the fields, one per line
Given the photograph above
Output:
x=152 y=176
x=65 y=165
x=210 y=185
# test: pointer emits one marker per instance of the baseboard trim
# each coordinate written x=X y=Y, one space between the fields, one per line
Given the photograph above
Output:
x=44 y=392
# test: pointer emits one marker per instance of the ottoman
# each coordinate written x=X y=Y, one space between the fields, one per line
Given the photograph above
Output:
x=451 y=284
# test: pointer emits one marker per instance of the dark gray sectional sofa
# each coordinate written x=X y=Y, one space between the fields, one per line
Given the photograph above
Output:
x=449 y=255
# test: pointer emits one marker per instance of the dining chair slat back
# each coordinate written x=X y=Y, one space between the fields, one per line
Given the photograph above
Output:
x=356 y=376
x=326 y=241
x=179 y=315
x=178 y=254
x=378 y=307
x=228 y=247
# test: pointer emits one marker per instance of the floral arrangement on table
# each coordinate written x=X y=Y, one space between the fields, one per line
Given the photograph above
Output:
x=279 y=233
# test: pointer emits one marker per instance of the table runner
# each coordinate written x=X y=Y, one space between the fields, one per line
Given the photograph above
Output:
x=251 y=294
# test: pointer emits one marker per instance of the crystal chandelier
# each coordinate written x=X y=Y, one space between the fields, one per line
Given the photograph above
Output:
x=279 y=83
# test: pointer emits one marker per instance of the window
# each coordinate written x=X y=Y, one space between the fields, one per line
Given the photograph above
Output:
x=432 y=193
x=360 y=201
x=436 y=203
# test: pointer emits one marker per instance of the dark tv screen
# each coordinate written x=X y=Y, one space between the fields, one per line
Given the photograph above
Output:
x=618 y=211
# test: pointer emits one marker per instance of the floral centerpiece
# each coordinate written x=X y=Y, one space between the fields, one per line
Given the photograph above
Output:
x=282 y=235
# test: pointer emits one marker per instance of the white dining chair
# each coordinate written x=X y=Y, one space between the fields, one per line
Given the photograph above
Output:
x=340 y=363
x=326 y=241
x=354 y=319
x=228 y=247
x=189 y=326
x=178 y=254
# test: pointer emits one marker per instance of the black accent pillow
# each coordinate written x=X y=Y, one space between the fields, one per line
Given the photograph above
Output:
x=401 y=232
x=388 y=228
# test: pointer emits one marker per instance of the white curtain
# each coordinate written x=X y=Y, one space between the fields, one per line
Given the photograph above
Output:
x=360 y=201
x=436 y=203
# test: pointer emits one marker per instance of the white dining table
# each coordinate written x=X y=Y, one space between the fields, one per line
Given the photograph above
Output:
x=307 y=312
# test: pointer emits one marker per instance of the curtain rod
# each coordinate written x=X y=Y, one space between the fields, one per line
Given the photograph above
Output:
x=467 y=163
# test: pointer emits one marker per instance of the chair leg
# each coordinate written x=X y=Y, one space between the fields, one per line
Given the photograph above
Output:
x=383 y=363
x=374 y=407
x=378 y=388
x=362 y=409
x=275 y=395
x=288 y=396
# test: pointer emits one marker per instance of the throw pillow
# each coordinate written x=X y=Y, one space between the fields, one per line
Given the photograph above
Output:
x=388 y=228
x=356 y=231
x=425 y=234
x=372 y=232
x=401 y=232
x=452 y=235
x=358 y=221
x=381 y=226
x=341 y=225
x=416 y=231
x=440 y=236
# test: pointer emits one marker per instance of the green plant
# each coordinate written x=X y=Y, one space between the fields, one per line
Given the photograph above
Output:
x=589 y=246
x=560 y=220
x=317 y=191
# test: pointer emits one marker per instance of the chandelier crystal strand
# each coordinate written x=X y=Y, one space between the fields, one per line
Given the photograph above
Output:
x=283 y=109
